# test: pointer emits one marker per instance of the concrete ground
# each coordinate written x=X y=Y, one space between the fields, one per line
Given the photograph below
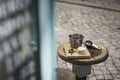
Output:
x=97 y=25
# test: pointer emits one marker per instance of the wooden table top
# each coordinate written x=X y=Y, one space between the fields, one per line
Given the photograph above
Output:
x=96 y=56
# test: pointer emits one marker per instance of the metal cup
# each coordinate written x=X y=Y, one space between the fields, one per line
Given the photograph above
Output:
x=76 y=40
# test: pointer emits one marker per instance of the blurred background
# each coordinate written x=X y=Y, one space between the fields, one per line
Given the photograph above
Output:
x=17 y=61
x=32 y=30
x=27 y=46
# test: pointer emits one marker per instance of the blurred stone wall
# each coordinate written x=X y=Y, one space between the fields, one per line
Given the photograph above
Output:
x=15 y=35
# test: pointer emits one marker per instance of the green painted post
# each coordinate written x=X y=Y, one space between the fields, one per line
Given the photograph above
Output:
x=47 y=39
x=36 y=38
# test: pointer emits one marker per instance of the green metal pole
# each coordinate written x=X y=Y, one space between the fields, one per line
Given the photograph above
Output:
x=36 y=38
x=47 y=40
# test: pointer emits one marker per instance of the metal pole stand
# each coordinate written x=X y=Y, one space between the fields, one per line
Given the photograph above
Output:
x=81 y=71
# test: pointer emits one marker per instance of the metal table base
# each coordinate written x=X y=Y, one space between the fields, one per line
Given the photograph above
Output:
x=81 y=71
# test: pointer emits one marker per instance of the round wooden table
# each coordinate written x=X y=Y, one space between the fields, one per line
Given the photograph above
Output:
x=97 y=56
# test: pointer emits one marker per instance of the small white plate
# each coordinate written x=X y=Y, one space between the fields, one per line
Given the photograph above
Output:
x=81 y=48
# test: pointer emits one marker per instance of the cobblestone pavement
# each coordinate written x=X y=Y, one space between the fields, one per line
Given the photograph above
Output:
x=97 y=25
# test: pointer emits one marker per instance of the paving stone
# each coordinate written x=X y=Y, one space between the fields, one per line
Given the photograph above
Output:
x=111 y=68
x=92 y=78
x=109 y=58
x=96 y=68
x=108 y=77
x=117 y=59
x=69 y=66
x=118 y=68
x=99 y=77
x=116 y=79
x=103 y=68
x=109 y=64
x=116 y=76
x=97 y=72
x=105 y=72
x=113 y=71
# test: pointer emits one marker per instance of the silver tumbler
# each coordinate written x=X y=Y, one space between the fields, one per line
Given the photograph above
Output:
x=76 y=40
